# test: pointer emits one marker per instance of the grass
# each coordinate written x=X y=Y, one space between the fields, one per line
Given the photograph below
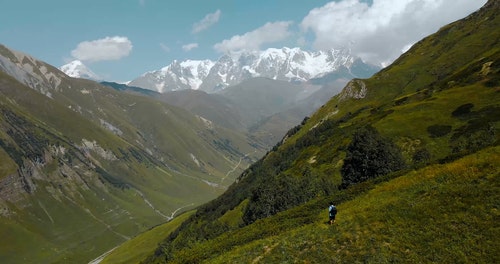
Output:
x=413 y=119
x=139 y=247
x=443 y=214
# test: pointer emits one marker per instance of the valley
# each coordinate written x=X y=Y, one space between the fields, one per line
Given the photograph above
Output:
x=80 y=156
x=235 y=159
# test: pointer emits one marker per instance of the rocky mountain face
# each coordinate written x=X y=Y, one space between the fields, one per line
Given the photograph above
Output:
x=79 y=162
x=286 y=64
x=30 y=72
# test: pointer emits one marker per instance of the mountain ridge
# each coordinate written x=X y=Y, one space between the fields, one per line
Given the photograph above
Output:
x=289 y=64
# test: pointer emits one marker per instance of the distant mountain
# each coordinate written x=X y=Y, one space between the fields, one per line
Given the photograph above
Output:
x=286 y=64
x=214 y=107
x=249 y=106
x=259 y=98
x=77 y=69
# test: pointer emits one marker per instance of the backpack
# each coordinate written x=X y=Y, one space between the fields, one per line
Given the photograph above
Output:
x=333 y=210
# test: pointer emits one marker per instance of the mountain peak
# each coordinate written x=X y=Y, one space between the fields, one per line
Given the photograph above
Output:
x=77 y=69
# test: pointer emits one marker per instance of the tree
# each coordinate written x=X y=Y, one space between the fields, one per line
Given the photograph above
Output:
x=370 y=155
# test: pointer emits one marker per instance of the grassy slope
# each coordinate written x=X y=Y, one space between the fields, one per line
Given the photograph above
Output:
x=445 y=213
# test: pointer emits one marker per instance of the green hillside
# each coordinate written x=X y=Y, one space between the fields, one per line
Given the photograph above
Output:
x=444 y=213
x=427 y=122
x=84 y=167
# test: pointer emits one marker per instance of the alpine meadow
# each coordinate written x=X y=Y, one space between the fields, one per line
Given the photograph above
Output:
x=236 y=160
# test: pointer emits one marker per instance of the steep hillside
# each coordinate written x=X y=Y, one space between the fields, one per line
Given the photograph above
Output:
x=410 y=219
x=85 y=167
x=438 y=102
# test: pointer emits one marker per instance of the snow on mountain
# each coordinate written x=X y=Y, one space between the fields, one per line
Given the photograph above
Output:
x=288 y=64
x=77 y=69
x=179 y=75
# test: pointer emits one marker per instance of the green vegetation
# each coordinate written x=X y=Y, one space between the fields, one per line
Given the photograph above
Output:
x=442 y=213
x=368 y=156
x=433 y=106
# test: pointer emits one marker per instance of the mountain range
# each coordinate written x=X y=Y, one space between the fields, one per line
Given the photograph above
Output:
x=286 y=64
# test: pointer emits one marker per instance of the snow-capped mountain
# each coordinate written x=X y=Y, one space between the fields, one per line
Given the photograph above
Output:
x=179 y=75
x=77 y=69
x=289 y=64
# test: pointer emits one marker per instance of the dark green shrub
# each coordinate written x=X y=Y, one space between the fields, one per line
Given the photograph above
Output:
x=462 y=110
x=436 y=131
x=421 y=156
x=370 y=155
x=472 y=141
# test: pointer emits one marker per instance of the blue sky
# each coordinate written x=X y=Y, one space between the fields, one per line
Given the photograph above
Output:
x=122 y=39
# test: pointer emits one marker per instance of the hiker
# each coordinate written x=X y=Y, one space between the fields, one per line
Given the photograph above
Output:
x=332 y=211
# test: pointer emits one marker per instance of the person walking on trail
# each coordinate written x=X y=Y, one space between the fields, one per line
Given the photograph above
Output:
x=332 y=212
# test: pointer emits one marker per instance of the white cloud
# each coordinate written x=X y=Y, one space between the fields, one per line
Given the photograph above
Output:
x=209 y=20
x=380 y=31
x=189 y=46
x=269 y=33
x=108 y=48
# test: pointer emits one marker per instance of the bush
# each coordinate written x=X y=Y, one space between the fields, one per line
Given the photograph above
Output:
x=421 y=156
x=436 y=131
x=370 y=155
x=462 y=110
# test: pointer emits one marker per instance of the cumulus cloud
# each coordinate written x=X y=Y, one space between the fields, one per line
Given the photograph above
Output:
x=379 y=32
x=189 y=46
x=206 y=22
x=108 y=48
x=269 y=33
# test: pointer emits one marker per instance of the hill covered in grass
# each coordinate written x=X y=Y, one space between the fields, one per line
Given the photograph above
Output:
x=435 y=112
